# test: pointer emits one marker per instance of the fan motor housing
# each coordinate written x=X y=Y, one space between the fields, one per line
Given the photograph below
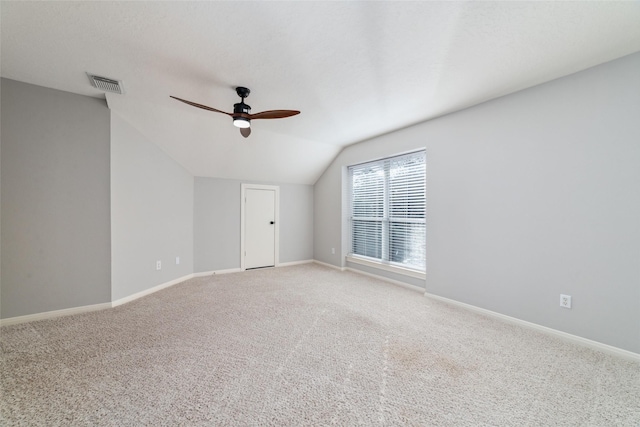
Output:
x=240 y=108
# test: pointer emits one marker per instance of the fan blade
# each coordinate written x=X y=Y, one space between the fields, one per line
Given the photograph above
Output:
x=274 y=114
x=245 y=131
x=204 y=107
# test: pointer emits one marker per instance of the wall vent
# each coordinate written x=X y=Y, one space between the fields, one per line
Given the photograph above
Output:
x=106 y=84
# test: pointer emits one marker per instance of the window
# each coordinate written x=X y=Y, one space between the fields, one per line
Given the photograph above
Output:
x=387 y=211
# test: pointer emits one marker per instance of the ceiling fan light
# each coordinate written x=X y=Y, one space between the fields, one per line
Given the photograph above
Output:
x=241 y=122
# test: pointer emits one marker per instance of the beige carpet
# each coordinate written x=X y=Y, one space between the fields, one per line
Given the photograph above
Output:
x=303 y=345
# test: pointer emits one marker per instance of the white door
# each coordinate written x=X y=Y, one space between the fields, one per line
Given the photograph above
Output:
x=260 y=228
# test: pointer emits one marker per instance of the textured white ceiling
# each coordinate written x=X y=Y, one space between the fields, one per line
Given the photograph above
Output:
x=354 y=69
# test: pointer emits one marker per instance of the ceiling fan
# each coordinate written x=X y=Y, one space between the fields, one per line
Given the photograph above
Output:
x=241 y=112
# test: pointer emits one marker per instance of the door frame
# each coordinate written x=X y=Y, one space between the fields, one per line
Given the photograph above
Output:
x=276 y=244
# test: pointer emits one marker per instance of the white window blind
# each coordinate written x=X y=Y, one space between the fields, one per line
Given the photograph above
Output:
x=387 y=210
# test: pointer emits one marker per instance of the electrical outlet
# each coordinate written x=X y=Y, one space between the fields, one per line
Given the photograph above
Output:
x=158 y=265
x=177 y=260
x=333 y=251
x=565 y=301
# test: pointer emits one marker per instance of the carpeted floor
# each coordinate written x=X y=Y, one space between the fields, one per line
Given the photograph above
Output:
x=303 y=345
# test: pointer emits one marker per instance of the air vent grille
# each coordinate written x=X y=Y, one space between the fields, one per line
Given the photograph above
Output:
x=106 y=84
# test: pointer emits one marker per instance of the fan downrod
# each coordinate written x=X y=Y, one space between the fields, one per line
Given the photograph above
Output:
x=242 y=92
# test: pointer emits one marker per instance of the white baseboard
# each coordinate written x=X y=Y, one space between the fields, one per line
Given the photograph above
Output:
x=290 y=263
x=53 y=314
x=150 y=290
x=386 y=279
x=329 y=265
x=564 y=335
x=216 y=272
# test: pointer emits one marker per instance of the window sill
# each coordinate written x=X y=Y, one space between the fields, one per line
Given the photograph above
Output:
x=386 y=267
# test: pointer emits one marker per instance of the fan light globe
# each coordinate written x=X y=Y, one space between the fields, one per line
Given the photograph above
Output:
x=241 y=122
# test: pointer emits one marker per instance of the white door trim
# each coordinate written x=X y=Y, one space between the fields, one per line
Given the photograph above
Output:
x=243 y=188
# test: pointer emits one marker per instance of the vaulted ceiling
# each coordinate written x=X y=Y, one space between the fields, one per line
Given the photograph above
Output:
x=354 y=69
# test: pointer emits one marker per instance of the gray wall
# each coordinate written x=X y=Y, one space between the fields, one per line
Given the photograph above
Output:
x=529 y=196
x=217 y=223
x=55 y=241
x=151 y=213
x=296 y=222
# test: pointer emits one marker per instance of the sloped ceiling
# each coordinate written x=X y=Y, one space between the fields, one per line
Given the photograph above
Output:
x=354 y=69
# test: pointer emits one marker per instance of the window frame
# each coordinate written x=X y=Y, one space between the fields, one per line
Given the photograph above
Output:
x=384 y=262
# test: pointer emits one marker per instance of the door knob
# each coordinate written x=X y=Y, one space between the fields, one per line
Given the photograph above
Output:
x=271 y=222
